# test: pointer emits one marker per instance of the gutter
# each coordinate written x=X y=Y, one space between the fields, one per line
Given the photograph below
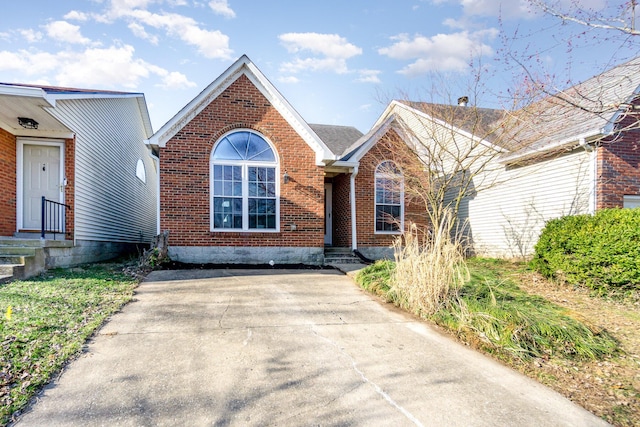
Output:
x=352 y=200
x=580 y=139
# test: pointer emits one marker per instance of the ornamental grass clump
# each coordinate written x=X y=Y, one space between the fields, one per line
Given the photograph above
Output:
x=430 y=269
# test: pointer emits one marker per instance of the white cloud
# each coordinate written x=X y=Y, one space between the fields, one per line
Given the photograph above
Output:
x=211 y=44
x=139 y=31
x=336 y=65
x=113 y=67
x=330 y=45
x=329 y=52
x=30 y=35
x=368 y=76
x=443 y=52
x=176 y=80
x=503 y=8
x=289 y=79
x=221 y=7
x=74 y=15
x=65 y=32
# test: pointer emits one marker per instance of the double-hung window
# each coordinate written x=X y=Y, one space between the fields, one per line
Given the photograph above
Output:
x=244 y=190
x=389 y=198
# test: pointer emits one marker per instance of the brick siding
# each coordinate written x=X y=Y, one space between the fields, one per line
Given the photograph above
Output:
x=386 y=149
x=70 y=189
x=619 y=165
x=184 y=175
x=7 y=183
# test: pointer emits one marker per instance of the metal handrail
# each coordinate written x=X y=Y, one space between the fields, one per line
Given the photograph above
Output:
x=53 y=218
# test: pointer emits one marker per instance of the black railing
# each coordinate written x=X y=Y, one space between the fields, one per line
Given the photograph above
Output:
x=53 y=218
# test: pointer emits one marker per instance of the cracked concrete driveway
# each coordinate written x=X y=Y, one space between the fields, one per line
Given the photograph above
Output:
x=284 y=347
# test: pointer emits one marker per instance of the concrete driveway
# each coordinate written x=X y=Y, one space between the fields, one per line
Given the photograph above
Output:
x=287 y=348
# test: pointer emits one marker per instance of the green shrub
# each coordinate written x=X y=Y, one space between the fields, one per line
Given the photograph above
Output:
x=601 y=251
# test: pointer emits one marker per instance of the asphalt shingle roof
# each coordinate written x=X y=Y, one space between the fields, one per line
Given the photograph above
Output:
x=337 y=138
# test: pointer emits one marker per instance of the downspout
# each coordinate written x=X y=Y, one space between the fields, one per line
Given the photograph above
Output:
x=156 y=160
x=594 y=180
x=352 y=199
x=594 y=172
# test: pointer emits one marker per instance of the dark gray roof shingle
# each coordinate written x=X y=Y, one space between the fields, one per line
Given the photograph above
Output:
x=337 y=138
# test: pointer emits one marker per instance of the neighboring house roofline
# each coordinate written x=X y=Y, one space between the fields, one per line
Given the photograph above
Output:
x=52 y=94
x=450 y=126
x=243 y=66
x=587 y=111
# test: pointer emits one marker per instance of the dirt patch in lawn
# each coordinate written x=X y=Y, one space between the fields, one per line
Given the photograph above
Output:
x=609 y=388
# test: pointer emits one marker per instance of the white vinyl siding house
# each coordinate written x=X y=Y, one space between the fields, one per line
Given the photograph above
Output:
x=505 y=220
x=111 y=204
x=506 y=206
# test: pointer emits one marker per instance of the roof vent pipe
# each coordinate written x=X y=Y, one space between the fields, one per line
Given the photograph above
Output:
x=463 y=101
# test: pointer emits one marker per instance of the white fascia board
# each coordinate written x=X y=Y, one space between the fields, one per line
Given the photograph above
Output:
x=27 y=92
x=31 y=92
x=243 y=66
x=578 y=140
x=371 y=138
x=196 y=105
x=275 y=98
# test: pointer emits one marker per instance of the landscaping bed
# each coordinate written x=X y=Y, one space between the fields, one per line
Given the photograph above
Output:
x=602 y=378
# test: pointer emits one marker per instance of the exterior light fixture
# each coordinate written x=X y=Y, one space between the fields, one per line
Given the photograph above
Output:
x=285 y=177
x=27 y=123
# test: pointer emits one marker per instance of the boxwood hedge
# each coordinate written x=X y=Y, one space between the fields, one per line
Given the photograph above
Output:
x=601 y=251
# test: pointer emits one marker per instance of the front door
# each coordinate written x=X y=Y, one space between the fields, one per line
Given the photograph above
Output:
x=40 y=177
x=328 y=213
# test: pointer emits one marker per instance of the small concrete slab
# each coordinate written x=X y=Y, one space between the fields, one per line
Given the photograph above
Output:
x=286 y=348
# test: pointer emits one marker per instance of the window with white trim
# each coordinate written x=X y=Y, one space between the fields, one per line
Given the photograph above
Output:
x=141 y=173
x=389 y=198
x=244 y=190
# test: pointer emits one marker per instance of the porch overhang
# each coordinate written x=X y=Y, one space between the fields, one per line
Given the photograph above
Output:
x=31 y=103
x=339 y=167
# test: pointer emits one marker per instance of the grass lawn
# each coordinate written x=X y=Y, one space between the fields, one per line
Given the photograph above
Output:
x=45 y=322
x=585 y=347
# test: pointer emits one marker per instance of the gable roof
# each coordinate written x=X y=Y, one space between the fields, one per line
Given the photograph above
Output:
x=33 y=101
x=479 y=122
x=337 y=138
x=243 y=66
x=587 y=111
x=359 y=148
x=583 y=113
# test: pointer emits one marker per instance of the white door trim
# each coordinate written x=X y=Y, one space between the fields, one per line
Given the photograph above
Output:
x=20 y=143
x=328 y=213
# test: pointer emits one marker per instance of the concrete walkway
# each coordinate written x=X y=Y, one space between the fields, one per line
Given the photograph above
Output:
x=286 y=348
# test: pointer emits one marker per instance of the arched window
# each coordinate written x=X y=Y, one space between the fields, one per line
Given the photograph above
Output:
x=389 y=198
x=140 y=171
x=244 y=184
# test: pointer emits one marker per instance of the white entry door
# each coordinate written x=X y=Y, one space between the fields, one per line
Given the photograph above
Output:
x=328 y=214
x=40 y=177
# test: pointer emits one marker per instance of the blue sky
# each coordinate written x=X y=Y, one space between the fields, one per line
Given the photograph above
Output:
x=335 y=61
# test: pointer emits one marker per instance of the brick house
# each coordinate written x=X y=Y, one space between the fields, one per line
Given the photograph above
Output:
x=244 y=179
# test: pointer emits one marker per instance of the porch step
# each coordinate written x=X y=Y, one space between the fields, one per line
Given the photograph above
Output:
x=335 y=256
x=21 y=258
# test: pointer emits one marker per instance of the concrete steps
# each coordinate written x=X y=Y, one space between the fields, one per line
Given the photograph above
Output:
x=335 y=256
x=21 y=258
